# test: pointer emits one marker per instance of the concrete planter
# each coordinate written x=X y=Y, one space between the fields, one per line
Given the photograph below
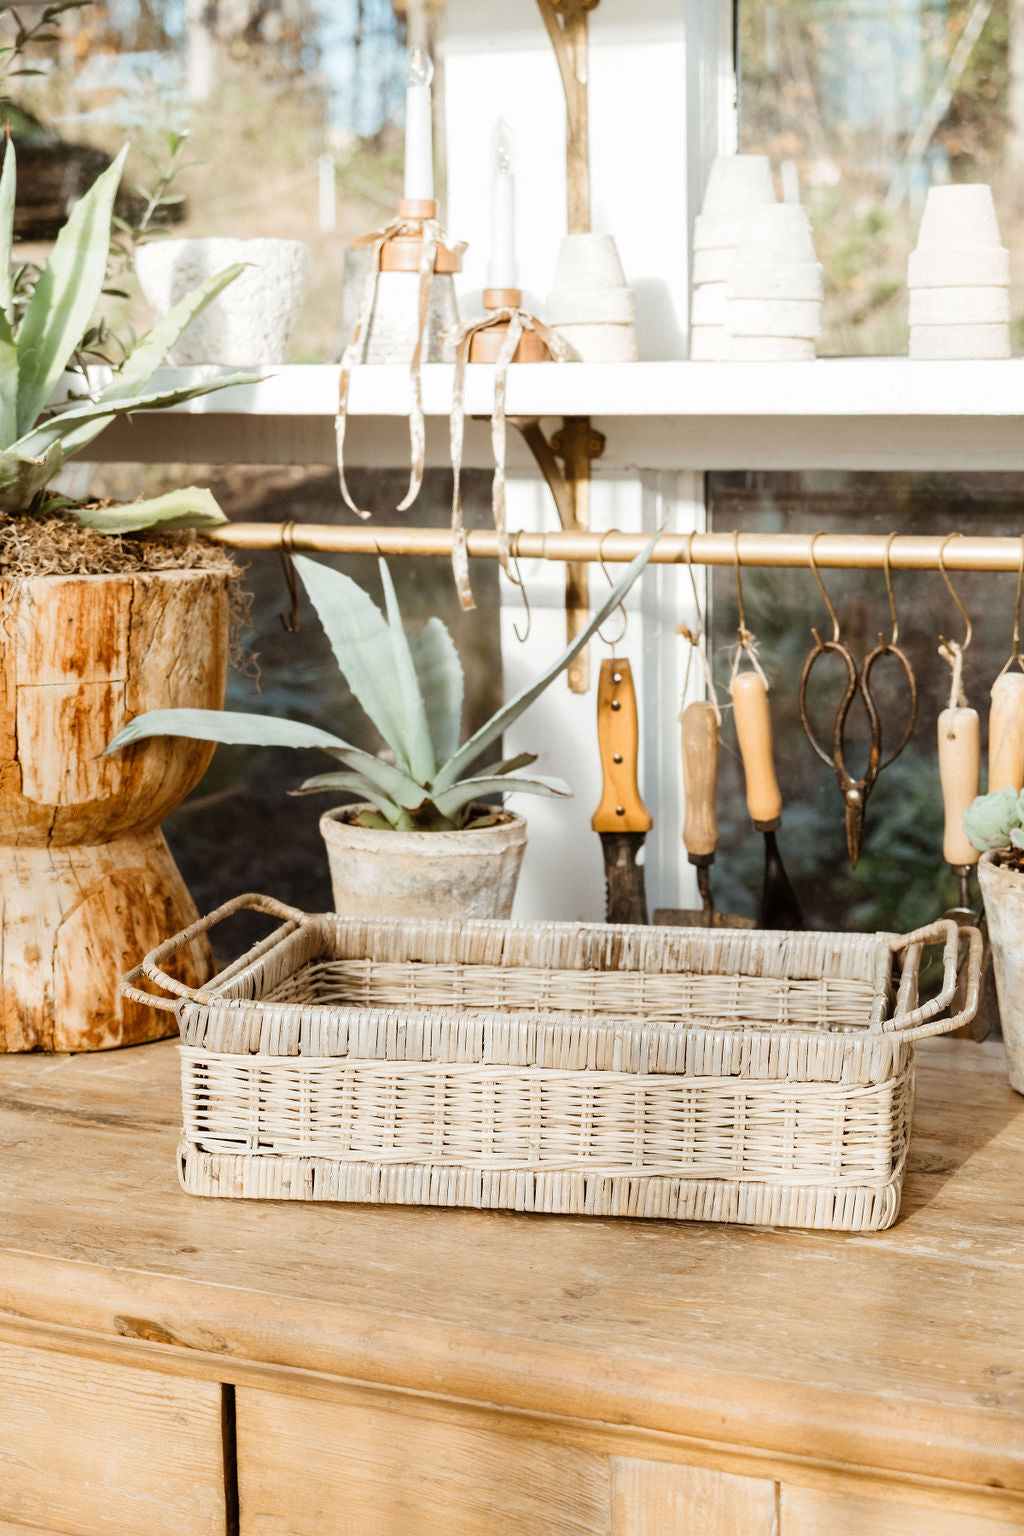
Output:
x=1003 y=892
x=422 y=874
x=251 y=323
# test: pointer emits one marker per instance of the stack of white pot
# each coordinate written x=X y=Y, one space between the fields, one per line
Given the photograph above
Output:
x=959 y=278
x=590 y=304
x=737 y=184
x=775 y=288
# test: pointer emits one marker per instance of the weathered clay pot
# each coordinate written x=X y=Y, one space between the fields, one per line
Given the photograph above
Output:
x=88 y=883
x=1002 y=890
x=422 y=874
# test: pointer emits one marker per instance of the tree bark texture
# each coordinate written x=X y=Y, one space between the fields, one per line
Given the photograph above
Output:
x=88 y=883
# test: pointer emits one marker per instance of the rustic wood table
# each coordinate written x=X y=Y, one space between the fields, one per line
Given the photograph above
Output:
x=180 y=1366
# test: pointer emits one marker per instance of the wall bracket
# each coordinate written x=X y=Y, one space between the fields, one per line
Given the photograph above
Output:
x=576 y=444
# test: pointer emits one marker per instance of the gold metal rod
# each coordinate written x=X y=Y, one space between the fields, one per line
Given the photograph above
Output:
x=831 y=551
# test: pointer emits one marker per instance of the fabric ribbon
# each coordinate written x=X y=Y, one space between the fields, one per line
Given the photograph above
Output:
x=517 y=321
x=432 y=235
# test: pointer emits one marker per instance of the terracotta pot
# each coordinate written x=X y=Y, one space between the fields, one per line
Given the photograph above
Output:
x=89 y=884
x=1002 y=890
x=422 y=874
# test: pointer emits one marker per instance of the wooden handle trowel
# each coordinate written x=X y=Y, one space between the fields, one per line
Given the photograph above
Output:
x=622 y=820
x=699 y=739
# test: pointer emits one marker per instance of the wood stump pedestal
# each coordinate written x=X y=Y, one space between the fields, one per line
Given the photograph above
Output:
x=88 y=883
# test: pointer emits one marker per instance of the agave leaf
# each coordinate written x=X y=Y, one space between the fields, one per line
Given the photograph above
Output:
x=508 y=765
x=137 y=370
x=79 y=425
x=8 y=382
x=359 y=784
x=454 y=768
x=190 y=507
x=23 y=476
x=441 y=683
x=454 y=799
x=66 y=295
x=422 y=763
x=239 y=729
x=361 y=641
x=8 y=189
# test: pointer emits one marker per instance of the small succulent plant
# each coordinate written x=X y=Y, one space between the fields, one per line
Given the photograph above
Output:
x=411 y=688
x=996 y=821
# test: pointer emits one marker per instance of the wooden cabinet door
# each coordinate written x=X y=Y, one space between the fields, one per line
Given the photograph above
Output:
x=87 y=1447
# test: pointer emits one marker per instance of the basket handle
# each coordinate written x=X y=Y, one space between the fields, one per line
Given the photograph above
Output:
x=150 y=966
x=922 y=1022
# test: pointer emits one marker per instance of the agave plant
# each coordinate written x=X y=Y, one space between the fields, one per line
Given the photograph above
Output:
x=38 y=340
x=410 y=685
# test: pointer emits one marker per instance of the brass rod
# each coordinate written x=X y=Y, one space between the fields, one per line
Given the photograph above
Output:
x=906 y=552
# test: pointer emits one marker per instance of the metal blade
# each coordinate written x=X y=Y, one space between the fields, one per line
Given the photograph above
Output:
x=626 y=896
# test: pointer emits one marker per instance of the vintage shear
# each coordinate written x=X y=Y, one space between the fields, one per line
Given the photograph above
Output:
x=855 y=791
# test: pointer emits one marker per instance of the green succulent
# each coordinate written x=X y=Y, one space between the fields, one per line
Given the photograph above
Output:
x=410 y=686
x=38 y=340
x=996 y=820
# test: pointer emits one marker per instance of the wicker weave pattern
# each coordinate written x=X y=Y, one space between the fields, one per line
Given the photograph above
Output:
x=622 y=1124
x=848 y=1208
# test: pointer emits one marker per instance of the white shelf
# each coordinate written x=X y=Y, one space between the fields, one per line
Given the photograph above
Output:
x=841 y=413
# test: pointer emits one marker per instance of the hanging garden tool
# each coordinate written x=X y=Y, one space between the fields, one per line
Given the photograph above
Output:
x=1006 y=712
x=959 y=748
x=700 y=739
x=855 y=791
x=749 y=690
x=621 y=818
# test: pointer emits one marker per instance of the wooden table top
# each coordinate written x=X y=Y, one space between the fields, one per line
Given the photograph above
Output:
x=902 y=1350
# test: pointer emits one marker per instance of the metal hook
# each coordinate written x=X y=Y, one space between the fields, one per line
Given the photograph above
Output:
x=517 y=581
x=893 y=640
x=286 y=548
x=612 y=645
x=1015 y=655
x=968 y=627
x=821 y=588
x=697 y=642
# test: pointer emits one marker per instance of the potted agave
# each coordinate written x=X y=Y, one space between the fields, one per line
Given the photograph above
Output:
x=421 y=838
x=94 y=630
x=995 y=825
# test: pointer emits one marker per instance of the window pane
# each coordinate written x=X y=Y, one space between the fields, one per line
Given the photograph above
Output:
x=869 y=101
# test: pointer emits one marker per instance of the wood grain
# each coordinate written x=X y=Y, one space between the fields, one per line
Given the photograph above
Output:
x=811 y=1512
x=897 y=1354
x=88 y=1448
x=323 y=1469
x=89 y=883
x=655 y=1499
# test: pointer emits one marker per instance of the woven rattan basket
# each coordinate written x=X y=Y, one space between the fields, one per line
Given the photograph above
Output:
x=719 y=1075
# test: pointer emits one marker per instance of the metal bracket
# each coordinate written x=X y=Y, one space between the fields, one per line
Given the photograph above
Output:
x=566 y=23
x=577 y=443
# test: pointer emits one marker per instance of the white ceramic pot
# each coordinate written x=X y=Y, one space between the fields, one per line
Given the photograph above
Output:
x=959 y=306
x=713 y=266
x=770 y=349
x=587 y=263
x=252 y=322
x=1002 y=890
x=708 y=343
x=395 y=318
x=772 y=280
x=950 y=343
x=601 y=343
x=983 y=267
x=774 y=317
x=423 y=874
x=738 y=182
x=960 y=216
x=717 y=231
x=776 y=233
x=708 y=304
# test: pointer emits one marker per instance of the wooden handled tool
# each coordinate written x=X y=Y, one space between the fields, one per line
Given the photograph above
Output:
x=960 y=776
x=779 y=905
x=1006 y=733
x=621 y=819
x=700 y=739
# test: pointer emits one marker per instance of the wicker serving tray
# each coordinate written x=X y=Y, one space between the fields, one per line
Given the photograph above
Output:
x=724 y=1075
